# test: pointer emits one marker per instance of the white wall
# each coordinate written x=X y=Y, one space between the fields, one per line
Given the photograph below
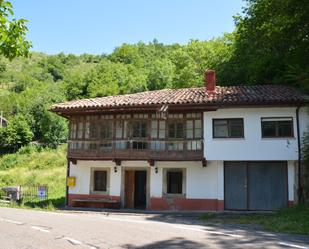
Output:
x=201 y=182
x=82 y=172
x=252 y=146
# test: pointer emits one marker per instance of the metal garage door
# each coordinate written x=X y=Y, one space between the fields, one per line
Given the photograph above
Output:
x=255 y=185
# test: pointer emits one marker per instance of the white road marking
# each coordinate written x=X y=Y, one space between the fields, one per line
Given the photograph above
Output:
x=197 y=229
x=73 y=241
x=40 y=229
x=12 y=221
x=127 y=220
x=292 y=245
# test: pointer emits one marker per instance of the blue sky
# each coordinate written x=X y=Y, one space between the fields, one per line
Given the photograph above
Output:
x=98 y=26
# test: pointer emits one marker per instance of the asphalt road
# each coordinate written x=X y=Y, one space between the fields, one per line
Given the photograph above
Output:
x=29 y=229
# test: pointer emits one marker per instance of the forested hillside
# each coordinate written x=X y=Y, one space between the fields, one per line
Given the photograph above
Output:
x=269 y=46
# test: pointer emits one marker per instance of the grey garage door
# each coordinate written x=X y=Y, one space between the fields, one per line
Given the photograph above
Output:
x=255 y=185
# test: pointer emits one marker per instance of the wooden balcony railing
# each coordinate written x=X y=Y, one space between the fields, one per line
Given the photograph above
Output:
x=137 y=149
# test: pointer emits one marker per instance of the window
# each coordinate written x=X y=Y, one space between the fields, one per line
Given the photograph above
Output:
x=100 y=180
x=139 y=129
x=277 y=127
x=138 y=132
x=175 y=130
x=194 y=131
x=228 y=128
x=157 y=132
x=174 y=182
x=106 y=131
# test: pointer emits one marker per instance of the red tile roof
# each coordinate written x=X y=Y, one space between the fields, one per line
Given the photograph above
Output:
x=223 y=96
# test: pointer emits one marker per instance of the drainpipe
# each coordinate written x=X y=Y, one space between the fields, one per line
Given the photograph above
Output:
x=300 y=187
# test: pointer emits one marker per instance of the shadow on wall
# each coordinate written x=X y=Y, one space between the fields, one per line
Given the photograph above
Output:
x=177 y=242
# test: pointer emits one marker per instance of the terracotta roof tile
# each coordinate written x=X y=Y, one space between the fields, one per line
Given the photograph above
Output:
x=232 y=95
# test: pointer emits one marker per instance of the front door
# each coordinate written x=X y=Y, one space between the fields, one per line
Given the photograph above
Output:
x=135 y=189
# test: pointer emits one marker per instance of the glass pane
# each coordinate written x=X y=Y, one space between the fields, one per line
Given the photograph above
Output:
x=143 y=129
x=189 y=145
x=100 y=180
x=198 y=123
x=198 y=145
x=220 y=129
x=154 y=124
x=189 y=133
x=171 y=130
x=119 y=129
x=285 y=129
x=198 y=133
x=87 y=130
x=189 y=124
x=80 y=130
x=162 y=125
x=179 y=130
x=94 y=130
x=268 y=129
x=125 y=129
x=154 y=133
x=106 y=130
x=236 y=128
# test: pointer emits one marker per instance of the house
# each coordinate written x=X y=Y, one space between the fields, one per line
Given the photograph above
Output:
x=207 y=148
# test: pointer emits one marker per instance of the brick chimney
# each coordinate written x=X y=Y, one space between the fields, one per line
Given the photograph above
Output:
x=210 y=80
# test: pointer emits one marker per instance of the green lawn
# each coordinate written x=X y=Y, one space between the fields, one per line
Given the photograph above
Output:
x=290 y=220
x=36 y=166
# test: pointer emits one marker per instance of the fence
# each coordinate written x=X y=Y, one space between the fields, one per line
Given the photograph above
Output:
x=24 y=193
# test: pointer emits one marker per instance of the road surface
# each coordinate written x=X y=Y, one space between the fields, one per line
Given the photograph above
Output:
x=30 y=229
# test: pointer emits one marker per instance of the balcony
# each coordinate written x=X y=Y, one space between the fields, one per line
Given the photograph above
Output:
x=136 y=149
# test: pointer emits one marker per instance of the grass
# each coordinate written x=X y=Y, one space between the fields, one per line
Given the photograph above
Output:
x=34 y=165
x=289 y=220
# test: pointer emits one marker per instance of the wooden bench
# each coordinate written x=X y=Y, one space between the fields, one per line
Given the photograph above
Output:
x=96 y=203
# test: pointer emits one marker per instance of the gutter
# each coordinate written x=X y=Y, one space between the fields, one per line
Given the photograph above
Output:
x=300 y=187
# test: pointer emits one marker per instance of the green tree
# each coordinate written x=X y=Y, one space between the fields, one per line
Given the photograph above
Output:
x=161 y=74
x=13 y=41
x=272 y=44
x=17 y=133
x=54 y=129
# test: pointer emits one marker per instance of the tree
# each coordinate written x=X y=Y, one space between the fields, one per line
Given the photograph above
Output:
x=272 y=44
x=17 y=133
x=161 y=74
x=54 y=130
x=13 y=41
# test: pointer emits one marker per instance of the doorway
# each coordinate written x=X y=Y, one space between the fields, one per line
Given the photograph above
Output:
x=135 y=189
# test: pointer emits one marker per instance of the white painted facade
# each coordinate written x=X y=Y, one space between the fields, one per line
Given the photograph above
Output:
x=201 y=182
x=208 y=182
x=252 y=146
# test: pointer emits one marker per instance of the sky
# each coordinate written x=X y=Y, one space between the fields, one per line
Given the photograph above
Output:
x=98 y=26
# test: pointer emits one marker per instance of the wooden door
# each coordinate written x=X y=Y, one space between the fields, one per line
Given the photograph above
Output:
x=129 y=189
